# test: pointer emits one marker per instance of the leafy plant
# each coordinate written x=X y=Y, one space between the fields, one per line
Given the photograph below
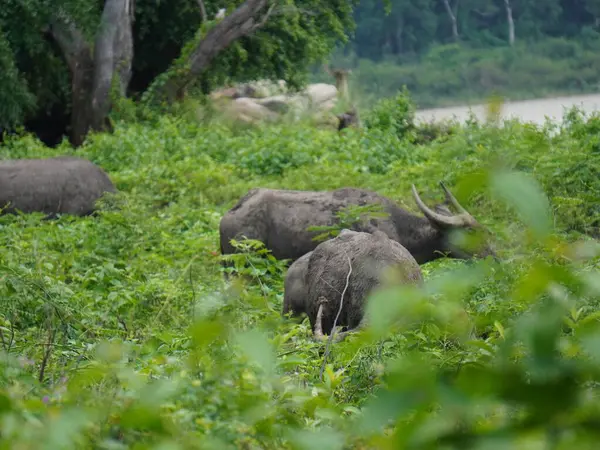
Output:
x=348 y=217
x=121 y=331
x=395 y=114
x=254 y=260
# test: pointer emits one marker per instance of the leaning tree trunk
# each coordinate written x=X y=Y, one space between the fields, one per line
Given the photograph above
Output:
x=243 y=21
x=93 y=71
x=511 y=23
x=453 y=21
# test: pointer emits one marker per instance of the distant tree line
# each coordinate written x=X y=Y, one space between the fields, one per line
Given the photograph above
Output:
x=410 y=27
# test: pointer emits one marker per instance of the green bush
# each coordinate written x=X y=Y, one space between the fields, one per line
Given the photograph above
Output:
x=395 y=114
x=119 y=331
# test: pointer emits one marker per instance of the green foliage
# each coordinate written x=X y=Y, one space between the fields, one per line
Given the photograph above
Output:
x=347 y=218
x=34 y=77
x=412 y=27
x=119 y=331
x=395 y=115
x=15 y=98
x=409 y=39
x=253 y=259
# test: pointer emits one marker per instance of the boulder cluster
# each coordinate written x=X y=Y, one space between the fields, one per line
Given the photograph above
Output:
x=264 y=100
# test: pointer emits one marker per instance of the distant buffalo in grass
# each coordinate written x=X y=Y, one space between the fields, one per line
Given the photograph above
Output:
x=60 y=185
x=348 y=119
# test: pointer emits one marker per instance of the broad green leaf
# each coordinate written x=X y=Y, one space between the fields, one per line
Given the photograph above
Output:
x=524 y=194
x=385 y=306
x=322 y=439
x=67 y=430
x=256 y=346
x=5 y=403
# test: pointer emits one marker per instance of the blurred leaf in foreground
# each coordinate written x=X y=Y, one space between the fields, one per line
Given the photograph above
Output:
x=525 y=195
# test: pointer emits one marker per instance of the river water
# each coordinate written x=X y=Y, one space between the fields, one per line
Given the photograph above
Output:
x=526 y=111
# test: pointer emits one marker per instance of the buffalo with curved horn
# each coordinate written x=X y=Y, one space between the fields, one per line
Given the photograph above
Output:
x=281 y=218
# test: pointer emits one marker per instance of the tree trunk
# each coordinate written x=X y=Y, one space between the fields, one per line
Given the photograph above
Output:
x=93 y=72
x=511 y=23
x=396 y=37
x=399 y=37
x=81 y=64
x=243 y=21
x=452 y=14
x=113 y=55
x=341 y=83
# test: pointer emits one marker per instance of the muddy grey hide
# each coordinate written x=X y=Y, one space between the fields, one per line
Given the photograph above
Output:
x=280 y=219
x=61 y=185
x=314 y=283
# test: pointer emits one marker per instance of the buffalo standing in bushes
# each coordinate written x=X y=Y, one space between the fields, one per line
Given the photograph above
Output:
x=348 y=119
x=350 y=264
x=280 y=219
x=61 y=185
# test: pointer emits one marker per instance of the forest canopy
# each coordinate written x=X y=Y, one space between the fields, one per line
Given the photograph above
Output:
x=411 y=27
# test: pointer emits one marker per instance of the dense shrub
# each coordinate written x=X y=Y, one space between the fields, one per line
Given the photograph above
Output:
x=394 y=114
x=119 y=331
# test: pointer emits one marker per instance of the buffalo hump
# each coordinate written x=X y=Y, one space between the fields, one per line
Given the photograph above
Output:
x=60 y=185
x=325 y=271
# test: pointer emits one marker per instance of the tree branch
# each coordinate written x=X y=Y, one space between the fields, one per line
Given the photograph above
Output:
x=70 y=40
x=263 y=21
x=452 y=14
x=511 y=23
x=243 y=21
x=202 y=10
x=239 y=23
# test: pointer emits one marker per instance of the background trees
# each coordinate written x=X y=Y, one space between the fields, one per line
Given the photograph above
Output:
x=61 y=61
x=415 y=25
x=58 y=64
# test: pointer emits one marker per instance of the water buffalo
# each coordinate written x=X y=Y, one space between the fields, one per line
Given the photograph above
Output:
x=280 y=219
x=294 y=286
x=315 y=283
x=348 y=119
x=60 y=185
